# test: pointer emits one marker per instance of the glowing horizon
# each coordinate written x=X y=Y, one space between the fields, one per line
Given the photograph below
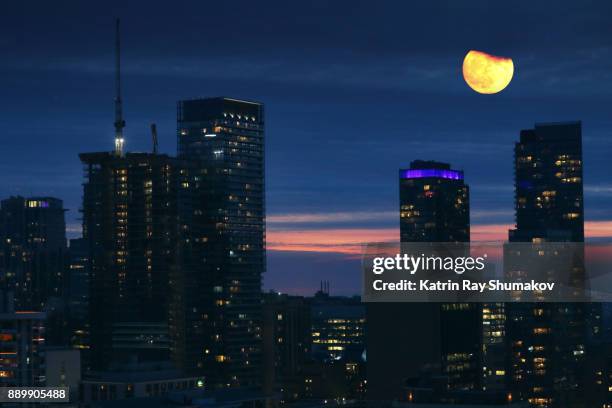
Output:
x=349 y=241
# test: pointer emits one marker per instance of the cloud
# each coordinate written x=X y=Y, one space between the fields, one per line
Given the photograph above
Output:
x=598 y=229
x=395 y=73
x=598 y=190
x=337 y=217
x=279 y=220
x=480 y=214
x=349 y=241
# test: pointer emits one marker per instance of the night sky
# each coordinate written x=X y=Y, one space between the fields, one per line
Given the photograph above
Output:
x=353 y=90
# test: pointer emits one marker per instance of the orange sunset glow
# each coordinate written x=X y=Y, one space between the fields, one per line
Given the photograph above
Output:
x=349 y=241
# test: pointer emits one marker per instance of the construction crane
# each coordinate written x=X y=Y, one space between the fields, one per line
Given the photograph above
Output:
x=154 y=137
x=119 y=122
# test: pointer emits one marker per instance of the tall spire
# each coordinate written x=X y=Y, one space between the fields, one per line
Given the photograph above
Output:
x=119 y=122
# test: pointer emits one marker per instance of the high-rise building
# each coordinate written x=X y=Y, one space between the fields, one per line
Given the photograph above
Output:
x=410 y=340
x=434 y=203
x=546 y=341
x=548 y=184
x=78 y=294
x=287 y=344
x=434 y=207
x=22 y=339
x=33 y=243
x=223 y=244
x=130 y=225
x=494 y=347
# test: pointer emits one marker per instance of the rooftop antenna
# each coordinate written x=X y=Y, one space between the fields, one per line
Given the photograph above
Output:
x=119 y=122
x=154 y=136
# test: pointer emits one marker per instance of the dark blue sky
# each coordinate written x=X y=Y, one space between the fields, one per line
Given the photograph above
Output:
x=353 y=91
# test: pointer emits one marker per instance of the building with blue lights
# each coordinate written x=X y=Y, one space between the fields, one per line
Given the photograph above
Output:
x=434 y=203
x=406 y=341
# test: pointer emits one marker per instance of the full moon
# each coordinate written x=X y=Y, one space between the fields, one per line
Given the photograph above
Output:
x=485 y=73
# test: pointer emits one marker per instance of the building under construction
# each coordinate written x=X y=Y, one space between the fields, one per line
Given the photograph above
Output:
x=176 y=246
x=130 y=225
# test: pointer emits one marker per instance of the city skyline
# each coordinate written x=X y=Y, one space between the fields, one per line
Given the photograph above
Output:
x=313 y=102
x=306 y=204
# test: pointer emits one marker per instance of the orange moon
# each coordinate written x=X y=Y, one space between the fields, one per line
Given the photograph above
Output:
x=485 y=73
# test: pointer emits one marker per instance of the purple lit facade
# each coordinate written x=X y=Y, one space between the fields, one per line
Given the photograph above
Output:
x=431 y=173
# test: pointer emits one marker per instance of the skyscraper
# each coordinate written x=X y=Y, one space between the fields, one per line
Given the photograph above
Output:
x=548 y=184
x=435 y=208
x=287 y=344
x=427 y=338
x=547 y=340
x=223 y=245
x=130 y=226
x=494 y=346
x=434 y=204
x=33 y=242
